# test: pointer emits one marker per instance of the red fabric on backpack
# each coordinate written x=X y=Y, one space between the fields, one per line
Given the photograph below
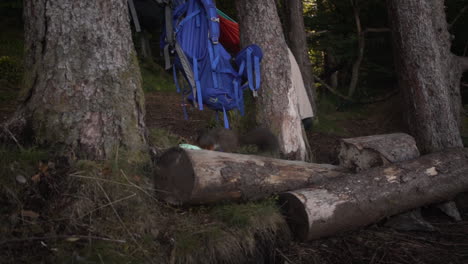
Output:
x=229 y=36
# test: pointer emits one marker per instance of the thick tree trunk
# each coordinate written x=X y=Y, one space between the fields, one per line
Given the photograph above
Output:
x=428 y=74
x=363 y=153
x=82 y=88
x=296 y=38
x=201 y=176
x=277 y=106
x=354 y=201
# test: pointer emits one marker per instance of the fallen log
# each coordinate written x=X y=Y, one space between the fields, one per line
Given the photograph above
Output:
x=362 y=153
x=354 y=201
x=201 y=176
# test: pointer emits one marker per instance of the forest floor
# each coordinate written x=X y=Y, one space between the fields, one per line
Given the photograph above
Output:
x=448 y=243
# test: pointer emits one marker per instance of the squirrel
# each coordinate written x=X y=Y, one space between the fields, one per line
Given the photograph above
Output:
x=220 y=139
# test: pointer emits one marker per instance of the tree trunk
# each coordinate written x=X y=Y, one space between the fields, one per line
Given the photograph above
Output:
x=363 y=153
x=428 y=74
x=277 y=107
x=360 y=55
x=82 y=90
x=201 y=176
x=296 y=38
x=354 y=201
x=330 y=66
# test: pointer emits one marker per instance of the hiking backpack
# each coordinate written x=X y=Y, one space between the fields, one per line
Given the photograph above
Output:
x=212 y=78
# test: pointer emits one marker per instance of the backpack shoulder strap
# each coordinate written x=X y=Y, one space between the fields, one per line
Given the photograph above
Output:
x=212 y=13
x=249 y=60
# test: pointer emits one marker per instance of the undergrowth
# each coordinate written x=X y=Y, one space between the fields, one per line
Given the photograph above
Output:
x=155 y=78
x=108 y=212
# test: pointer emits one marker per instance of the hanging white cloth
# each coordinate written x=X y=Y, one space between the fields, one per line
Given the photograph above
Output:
x=304 y=106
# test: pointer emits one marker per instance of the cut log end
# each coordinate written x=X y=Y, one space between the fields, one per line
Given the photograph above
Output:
x=174 y=168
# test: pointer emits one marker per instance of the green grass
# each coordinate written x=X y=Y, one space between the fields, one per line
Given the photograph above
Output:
x=244 y=215
x=330 y=119
x=155 y=78
x=162 y=138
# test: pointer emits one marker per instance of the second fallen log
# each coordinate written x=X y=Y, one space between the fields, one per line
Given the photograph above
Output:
x=353 y=201
x=201 y=176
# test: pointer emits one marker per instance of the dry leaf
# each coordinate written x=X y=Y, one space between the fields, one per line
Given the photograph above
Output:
x=72 y=239
x=36 y=178
x=43 y=167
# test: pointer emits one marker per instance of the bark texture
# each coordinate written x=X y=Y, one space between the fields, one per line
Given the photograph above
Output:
x=82 y=88
x=354 y=201
x=363 y=153
x=202 y=176
x=428 y=74
x=277 y=107
x=296 y=37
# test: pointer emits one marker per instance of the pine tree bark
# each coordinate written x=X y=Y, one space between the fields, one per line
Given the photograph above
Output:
x=82 y=90
x=296 y=38
x=277 y=107
x=428 y=73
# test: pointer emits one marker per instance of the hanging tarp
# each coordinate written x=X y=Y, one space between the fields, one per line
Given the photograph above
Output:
x=229 y=36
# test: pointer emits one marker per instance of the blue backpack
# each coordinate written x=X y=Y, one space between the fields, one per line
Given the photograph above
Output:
x=213 y=79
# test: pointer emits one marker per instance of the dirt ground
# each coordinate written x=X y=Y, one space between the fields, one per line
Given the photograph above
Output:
x=448 y=243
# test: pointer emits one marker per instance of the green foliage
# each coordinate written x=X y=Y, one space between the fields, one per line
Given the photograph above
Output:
x=332 y=112
x=20 y=161
x=244 y=215
x=334 y=38
x=228 y=231
x=11 y=69
x=162 y=138
x=17 y=167
x=228 y=7
x=11 y=50
x=155 y=78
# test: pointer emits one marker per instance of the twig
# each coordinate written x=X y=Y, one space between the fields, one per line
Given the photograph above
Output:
x=108 y=204
x=15 y=240
x=134 y=185
x=13 y=137
x=458 y=16
x=111 y=181
x=347 y=98
x=335 y=92
x=284 y=256
x=119 y=218
x=123 y=224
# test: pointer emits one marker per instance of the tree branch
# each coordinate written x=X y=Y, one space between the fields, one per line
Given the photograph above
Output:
x=349 y=99
x=463 y=63
x=458 y=16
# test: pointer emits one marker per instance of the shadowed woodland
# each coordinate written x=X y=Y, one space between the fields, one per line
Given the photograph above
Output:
x=88 y=110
